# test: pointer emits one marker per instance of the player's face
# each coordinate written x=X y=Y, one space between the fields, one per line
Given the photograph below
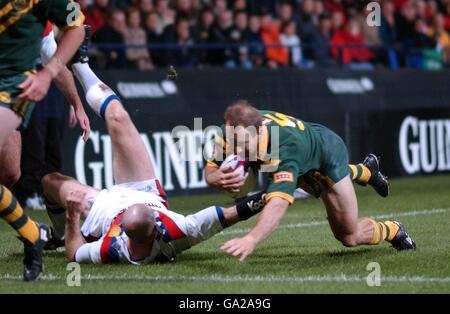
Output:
x=246 y=142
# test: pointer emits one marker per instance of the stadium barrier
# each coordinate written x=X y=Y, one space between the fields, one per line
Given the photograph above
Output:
x=403 y=116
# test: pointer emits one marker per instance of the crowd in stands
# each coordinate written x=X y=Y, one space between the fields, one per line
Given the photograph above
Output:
x=145 y=34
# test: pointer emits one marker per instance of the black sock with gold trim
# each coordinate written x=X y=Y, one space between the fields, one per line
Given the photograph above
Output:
x=360 y=173
x=12 y=213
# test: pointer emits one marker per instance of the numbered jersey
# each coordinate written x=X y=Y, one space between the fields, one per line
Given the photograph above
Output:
x=291 y=150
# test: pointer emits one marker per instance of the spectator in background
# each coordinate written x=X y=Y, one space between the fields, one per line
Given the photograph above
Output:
x=447 y=16
x=334 y=6
x=388 y=30
x=370 y=34
x=239 y=5
x=134 y=34
x=121 y=5
x=184 y=8
x=154 y=36
x=205 y=35
x=166 y=15
x=306 y=29
x=152 y=27
x=221 y=35
x=183 y=56
x=319 y=9
x=405 y=23
x=291 y=41
x=145 y=7
x=112 y=33
x=421 y=8
x=285 y=12
x=399 y=4
x=323 y=56
x=337 y=21
x=254 y=41
x=270 y=34
x=238 y=37
x=258 y=6
x=371 y=37
x=421 y=38
x=431 y=10
x=219 y=7
x=97 y=15
x=354 y=57
x=440 y=35
x=197 y=6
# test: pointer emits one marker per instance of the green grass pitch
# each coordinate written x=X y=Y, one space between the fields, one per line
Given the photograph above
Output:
x=301 y=256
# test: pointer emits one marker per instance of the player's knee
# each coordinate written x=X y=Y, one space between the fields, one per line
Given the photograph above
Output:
x=348 y=240
x=47 y=179
x=9 y=178
x=118 y=114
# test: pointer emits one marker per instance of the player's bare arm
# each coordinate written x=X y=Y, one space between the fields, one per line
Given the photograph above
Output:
x=73 y=237
x=36 y=85
x=268 y=222
x=66 y=84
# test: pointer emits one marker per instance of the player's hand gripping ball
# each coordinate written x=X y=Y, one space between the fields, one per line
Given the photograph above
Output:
x=245 y=170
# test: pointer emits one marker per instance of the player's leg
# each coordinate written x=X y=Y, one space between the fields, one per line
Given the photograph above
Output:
x=33 y=234
x=10 y=209
x=131 y=161
x=342 y=209
x=9 y=122
x=10 y=160
x=342 y=206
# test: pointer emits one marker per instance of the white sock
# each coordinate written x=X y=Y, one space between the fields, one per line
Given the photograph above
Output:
x=85 y=75
x=98 y=94
x=204 y=224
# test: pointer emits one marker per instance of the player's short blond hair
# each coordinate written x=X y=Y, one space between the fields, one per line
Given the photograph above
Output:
x=242 y=113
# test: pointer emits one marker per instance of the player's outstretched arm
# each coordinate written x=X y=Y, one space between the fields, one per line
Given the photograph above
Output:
x=35 y=87
x=268 y=221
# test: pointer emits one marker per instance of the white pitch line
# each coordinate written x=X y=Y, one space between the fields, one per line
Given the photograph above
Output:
x=239 y=278
x=325 y=222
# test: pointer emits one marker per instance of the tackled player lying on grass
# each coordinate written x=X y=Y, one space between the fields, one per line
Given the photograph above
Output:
x=129 y=222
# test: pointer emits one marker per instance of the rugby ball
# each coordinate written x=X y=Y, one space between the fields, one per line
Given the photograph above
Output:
x=250 y=174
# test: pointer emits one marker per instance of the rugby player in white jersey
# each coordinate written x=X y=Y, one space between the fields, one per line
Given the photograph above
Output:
x=129 y=222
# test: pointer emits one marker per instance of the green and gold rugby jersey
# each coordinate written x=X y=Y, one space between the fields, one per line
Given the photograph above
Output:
x=308 y=155
x=22 y=23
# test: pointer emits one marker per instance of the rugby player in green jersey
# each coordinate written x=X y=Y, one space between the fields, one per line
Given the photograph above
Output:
x=306 y=155
x=22 y=23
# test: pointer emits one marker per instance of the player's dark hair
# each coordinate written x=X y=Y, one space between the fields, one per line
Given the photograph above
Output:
x=242 y=113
